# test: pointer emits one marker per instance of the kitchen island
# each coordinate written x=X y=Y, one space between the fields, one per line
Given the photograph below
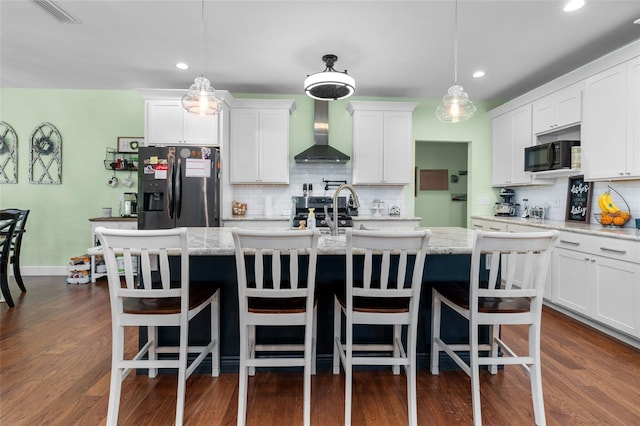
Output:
x=212 y=262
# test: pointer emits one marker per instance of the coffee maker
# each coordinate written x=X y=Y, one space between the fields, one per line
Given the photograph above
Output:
x=506 y=207
x=128 y=204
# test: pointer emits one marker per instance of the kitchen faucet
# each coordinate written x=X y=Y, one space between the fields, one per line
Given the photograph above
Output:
x=333 y=223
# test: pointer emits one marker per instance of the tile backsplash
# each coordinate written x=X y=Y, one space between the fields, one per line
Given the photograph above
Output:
x=256 y=195
x=556 y=197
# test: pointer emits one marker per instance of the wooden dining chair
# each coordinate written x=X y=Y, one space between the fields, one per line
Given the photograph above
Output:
x=156 y=293
x=8 y=223
x=512 y=298
x=381 y=294
x=276 y=272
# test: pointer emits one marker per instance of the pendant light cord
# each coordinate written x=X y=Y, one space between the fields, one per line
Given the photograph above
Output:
x=455 y=46
x=202 y=41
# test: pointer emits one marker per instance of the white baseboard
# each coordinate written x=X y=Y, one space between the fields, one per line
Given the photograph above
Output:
x=41 y=270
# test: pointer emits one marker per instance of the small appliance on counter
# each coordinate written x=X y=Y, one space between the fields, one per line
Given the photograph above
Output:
x=128 y=204
x=303 y=205
x=506 y=207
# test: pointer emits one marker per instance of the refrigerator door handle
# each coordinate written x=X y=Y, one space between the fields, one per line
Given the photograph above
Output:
x=178 y=188
x=170 y=188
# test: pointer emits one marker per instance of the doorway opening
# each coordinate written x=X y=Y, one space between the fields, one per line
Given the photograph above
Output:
x=442 y=183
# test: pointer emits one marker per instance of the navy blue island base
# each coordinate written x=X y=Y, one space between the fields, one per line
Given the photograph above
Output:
x=220 y=270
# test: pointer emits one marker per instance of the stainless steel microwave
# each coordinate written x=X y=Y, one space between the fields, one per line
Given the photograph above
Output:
x=548 y=156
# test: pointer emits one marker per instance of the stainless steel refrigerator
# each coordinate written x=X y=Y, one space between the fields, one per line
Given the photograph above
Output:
x=178 y=186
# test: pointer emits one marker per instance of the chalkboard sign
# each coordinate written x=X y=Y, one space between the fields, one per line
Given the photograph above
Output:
x=578 y=200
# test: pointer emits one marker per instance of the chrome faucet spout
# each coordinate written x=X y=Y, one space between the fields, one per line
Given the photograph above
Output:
x=327 y=218
x=333 y=223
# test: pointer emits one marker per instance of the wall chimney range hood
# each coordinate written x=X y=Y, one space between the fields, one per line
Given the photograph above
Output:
x=321 y=151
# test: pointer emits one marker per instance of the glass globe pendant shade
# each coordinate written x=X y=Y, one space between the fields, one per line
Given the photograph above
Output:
x=456 y=106
x=201 y=99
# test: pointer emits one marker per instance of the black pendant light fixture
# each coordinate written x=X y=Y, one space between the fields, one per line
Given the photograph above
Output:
x=456 y=105
x=329 y=85
x=201 y=99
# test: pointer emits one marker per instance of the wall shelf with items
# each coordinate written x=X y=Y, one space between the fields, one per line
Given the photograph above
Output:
x=120 y=161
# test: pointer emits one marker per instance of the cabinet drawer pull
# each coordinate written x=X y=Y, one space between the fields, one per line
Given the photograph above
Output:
x=613 y=250
x=478 y=226
x=494 y=229
x=573 y=243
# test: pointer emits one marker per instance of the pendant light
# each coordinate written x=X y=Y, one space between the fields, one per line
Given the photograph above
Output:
x=456 y=105
x=329 y=85
x=201 y=99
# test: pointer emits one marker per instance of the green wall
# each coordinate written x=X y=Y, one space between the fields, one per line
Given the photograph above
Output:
x=90 y=121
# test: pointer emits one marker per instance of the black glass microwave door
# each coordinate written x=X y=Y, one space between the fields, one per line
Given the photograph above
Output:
x=537 y=158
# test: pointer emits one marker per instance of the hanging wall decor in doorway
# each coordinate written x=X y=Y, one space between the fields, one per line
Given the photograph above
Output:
x=8 y=154
x=45 y=155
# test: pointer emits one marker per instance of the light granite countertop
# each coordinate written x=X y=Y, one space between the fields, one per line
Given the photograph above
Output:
x=218 y=242
x=625 y=233
x=286 y=218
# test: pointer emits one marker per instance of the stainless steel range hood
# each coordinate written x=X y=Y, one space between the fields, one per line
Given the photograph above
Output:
x=321 y=151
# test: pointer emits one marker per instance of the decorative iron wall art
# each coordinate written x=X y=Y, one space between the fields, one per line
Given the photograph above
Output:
x=8 y=154
x=45 y=155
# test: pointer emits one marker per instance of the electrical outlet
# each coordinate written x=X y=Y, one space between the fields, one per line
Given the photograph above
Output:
x=482 y=201
x=556 y=202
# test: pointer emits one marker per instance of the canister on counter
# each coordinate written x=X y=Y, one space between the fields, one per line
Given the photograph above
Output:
x=576 y=158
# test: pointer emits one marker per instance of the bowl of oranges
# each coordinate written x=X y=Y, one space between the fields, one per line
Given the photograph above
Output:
x=612 y=215
x=617 y=219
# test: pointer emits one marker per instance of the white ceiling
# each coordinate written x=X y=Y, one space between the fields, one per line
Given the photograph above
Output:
x=391 y=48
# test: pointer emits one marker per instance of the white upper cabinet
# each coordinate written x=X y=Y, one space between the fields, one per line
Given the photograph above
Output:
x=558 y=110
x=633 y=118
x=382 y=142
x=611 y=127
x=259 y=143
x=511 y=133
x=168 y=123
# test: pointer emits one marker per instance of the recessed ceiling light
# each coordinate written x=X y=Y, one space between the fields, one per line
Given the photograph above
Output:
x=478 y=74
x=573 y=5
x=637 y=21
x=182 y=66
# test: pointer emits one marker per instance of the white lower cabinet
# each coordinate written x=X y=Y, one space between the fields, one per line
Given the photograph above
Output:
x=571 y=278
x=599 y=278
x=616 y=301
x=488 y=225
x=97 y=268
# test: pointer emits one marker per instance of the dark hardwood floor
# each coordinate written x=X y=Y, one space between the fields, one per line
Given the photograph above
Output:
x=55 y=349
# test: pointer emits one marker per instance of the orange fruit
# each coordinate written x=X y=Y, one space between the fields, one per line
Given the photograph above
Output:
x=619 y=219
x=606 y=218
